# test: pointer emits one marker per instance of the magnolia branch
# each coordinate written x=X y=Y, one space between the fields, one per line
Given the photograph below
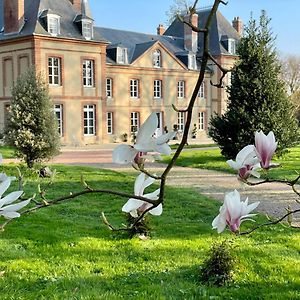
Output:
x=272 y=222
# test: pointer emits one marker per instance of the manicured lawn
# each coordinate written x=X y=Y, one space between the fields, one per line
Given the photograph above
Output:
x=213 y=160
x=7 y=152
x=65 y=252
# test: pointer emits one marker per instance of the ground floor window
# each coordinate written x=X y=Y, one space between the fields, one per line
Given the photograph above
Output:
x=109 y=122
x=181 y=120
x=201 y=120
x=58 y=110
x=134 y=121
x=89 y=121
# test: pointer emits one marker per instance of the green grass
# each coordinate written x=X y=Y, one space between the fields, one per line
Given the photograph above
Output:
x=213 y=160
x=7 y=152
x=192 y=146
x=65 y=252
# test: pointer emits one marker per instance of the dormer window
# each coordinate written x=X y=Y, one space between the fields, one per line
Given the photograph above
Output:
x=87 y=29
x=122 y=57
x=192 y=64
x=157 y=59
x=231 y=46
x=53 y=24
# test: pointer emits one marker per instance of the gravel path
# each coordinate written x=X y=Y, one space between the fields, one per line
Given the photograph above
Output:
x=274 y=197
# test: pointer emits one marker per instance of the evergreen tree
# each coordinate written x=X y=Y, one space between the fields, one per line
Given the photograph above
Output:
x=32 y=128
x=257 y=96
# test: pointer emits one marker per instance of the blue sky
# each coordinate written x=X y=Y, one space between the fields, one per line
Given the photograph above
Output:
x=145 y=15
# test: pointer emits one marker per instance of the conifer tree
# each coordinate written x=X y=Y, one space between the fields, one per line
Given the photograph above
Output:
x=32 y=128
x=257 y=96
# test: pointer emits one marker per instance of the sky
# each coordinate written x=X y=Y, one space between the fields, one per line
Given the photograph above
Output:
x=145 y=15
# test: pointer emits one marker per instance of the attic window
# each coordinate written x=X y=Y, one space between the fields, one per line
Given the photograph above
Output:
x=53 y=24
x=231 y=46
x=122 y=57
x=87 y=29
x=157 y=59
x=192 y=64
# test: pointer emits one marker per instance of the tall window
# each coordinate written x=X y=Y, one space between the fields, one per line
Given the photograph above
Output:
x=89 y=127
x=201 y=120
x=88 y=73
x=157 y=59
x=87 y=29
x=109 y=87
x=157 y=89
x=58 y=110
x=181 y=120
x=54 y=70
x=231 y=46
x=181 y=89
x=201 y=93
x=134 y=121
x=122 y=57
x=109 y=122
x=134 y=88
x=53 y=24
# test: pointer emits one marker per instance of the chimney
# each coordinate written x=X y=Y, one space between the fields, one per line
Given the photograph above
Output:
x=190 y=36
x=160 y=29
x=237 y=24
x=13 y=15
x=76 y=5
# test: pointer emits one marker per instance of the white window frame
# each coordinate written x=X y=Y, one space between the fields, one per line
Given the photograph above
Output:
x=134 y=121
x=58 y=110
x=181 y=89
x=87 y=29
x=157 y=89
x=201 y=118
x=201 y=93
x=122 y=57
x=156 y=58
x=181 y=121
x=54 y=70
x=88 y=72
x=110 y=122
x=89 y=120
x=134 y=88
x=109 y=87
x=231 y=46
x=192 y=63
x=53 y=24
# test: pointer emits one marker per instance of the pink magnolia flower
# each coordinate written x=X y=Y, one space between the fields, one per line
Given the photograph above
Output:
x=246 y=162
x=133 y=206
x=145 y=142
x=265 y=147
x=233 y=212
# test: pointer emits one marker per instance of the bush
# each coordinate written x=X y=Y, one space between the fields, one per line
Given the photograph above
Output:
x=218 y=268
x=32 y=128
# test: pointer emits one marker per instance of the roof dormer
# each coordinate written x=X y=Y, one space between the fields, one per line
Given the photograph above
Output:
x=51 y=21
x=86 y=26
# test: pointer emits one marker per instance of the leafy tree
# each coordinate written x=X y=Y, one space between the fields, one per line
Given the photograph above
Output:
x=32 y=128
x=257 y=96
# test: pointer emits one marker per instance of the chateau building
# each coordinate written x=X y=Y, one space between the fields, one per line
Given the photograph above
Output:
x=105 y=82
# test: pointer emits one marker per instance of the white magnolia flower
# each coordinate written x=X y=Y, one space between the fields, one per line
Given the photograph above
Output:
x=145 y=142
x=133 y=206
x=233 y=212
x=265 y=147
x=246 y=162
x=8 y=210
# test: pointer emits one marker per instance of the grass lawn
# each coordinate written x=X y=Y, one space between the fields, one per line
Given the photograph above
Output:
x=65 y=252
x=7 y=152
x=213 y=160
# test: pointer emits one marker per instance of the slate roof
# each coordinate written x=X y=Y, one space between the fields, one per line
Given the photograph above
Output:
x=219 y=28
x=35 y=25
x=137 y=43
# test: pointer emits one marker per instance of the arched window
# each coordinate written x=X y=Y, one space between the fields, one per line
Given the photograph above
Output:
x=157 y=59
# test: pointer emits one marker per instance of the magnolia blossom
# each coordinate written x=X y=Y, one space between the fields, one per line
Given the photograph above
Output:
x=233 y=212
x=145 y=142
x=246 y=162
x=8 y=210
x=133 y=206
x=265 y=147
